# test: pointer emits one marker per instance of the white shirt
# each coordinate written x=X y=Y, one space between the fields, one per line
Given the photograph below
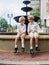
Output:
x=33 y=27
x=21 y=28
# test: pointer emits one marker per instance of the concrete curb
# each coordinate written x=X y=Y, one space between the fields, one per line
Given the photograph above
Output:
x=24 y=62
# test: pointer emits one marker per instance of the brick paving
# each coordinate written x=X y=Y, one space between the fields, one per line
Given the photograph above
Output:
x=9 y=56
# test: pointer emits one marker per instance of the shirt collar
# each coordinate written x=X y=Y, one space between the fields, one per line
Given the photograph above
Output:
x=21 y=25
x=32 y=23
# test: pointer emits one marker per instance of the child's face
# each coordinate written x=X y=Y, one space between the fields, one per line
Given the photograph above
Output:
x=30 y=20
x=22 y=21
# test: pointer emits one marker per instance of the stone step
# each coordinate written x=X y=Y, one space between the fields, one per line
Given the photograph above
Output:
x=24 y=63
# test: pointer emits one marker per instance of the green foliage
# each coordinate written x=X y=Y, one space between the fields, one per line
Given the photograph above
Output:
x=39 y=22
x=37 y=13
x=3 y=25
x=9 y=25
x=14 y=27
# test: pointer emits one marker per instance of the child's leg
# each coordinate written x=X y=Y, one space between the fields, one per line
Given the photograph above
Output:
x=31 y=43
x=31 y=40
x=23 y=42
x=36 y=35
x=36 y=42
x=23 y=46
x=16 y=42
x=36 y=38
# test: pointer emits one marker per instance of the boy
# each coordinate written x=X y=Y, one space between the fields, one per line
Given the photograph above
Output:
x=33 y=32
x=20 y=33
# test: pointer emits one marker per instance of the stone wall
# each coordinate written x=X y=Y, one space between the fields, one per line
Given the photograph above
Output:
x=7 y=43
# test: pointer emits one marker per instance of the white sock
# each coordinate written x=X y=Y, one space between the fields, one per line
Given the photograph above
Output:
x=16 y=46
x=31 y=47
x=23 y=45
x=36 y=45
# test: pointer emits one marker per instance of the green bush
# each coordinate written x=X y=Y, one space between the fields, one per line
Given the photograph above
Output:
x=37 y=14
x=14 y=27
x=3 y=25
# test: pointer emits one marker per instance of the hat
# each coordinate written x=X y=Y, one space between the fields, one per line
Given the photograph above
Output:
x=30 y=17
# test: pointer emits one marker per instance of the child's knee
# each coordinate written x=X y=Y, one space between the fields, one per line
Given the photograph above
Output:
x=31 y=35
x=36 y=35
x=17 y=36
x=23 y=36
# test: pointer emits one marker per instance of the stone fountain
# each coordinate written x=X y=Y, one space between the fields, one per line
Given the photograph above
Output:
x=25 y=9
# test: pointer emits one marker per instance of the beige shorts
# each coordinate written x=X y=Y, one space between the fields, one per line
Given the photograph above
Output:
x=33 y=35
x=20 y=36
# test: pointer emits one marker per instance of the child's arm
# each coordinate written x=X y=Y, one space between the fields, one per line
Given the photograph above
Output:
x=21 y=33
x=24 y=30
x=28 y=29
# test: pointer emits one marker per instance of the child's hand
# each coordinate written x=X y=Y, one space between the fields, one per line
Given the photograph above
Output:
x=21 y=33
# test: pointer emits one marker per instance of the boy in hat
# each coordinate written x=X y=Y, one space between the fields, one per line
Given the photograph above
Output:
x=33 y=32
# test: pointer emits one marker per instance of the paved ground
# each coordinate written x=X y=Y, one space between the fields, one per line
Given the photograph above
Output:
x=25 y=57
